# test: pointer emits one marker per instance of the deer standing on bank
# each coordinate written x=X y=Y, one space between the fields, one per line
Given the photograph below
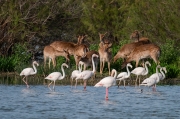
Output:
x=72 y=48
x=50 y=53
x=104 y=52
x=144 y=51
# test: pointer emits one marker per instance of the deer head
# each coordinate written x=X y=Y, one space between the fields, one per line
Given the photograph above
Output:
x=81 y=39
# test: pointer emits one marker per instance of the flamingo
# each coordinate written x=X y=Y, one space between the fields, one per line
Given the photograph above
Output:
x=153 y=80
x=75 y=73
x=107 y=82
x=161 y=75
x=86 y=74
x=56 y=76
x=29 y=71
x=124 y=75
x=141 y=71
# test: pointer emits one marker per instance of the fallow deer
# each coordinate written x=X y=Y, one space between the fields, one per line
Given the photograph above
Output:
x=51 y=53
x=136 y=37
x=104 y=52
x=72 y=48
x=126 y=50
x=142 y=52
x=87 y=60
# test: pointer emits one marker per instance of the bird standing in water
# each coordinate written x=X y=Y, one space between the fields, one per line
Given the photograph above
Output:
x=29 y=71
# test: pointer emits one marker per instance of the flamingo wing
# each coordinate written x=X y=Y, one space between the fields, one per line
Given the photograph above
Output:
x=85 y=75
x=54 y=76
x=27 y=71
x=75 y=73
x=155 y=76
x=122 y=75
x=138 y=70
x=106 y=82
x=148 y=82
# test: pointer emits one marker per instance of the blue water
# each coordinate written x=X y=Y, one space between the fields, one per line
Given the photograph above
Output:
x=39 y=102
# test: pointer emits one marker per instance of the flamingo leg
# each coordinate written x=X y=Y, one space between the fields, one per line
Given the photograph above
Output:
x=119 y=83
x=49 y=85
x=124 y=84
x=54 y=86
x=71 y=82
x=139 y=81
x=106 y=94
x=136 y=81
x=85 y=84
x=25 y=81
x=76 y=83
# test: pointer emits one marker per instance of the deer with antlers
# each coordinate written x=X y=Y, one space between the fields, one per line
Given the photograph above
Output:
x=104 y=52
x=72 y=48
x=50 y=53
x=142 y=52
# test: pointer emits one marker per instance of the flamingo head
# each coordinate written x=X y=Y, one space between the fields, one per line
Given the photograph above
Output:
x=129 y=65
x=147 y=62
x=164 y=68
x=64 y=64
x=35 y=62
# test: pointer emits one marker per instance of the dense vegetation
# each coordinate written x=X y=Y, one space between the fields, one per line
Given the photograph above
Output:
x=24 y=21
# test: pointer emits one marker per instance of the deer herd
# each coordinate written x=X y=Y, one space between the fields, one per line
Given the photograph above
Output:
x=141 y=48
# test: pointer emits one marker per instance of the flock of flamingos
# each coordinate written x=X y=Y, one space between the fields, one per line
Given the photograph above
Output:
x=139 y=49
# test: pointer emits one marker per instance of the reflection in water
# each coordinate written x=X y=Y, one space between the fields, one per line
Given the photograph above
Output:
x=65 y=102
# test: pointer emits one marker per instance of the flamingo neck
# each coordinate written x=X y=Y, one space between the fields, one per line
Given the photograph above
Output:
x=115 y=75
x=163 y=75
x=94 y=69
x=157 y=72
x=146 y=69
x=80 y=67
x=128 y=72
x=35 y=70
x=63 y=73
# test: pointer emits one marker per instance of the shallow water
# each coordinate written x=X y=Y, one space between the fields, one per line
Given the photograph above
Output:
x=66 y=103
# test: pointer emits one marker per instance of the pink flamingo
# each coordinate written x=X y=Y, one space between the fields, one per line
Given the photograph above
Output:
x=29 y=71
x=124 y=75
x=56 y=76
x=75 y=73
x=107 y=82
x=86 y=74
x=141 y=71
x=153 y=80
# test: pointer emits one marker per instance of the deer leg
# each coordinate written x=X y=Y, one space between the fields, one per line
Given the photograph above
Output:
x=100 y=67
x=49 y=63
x=44 y=61
x=137 y=62
x=54 y=62
x=109 y=68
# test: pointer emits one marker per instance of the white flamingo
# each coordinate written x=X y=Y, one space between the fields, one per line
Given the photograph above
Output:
x=86 y=74
x=75 y=73
x=151 y=81
x=56 y=76
x=141 y=71
x=107 y=82
x=29 y=71
x=124 y=75
x=161 y=75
